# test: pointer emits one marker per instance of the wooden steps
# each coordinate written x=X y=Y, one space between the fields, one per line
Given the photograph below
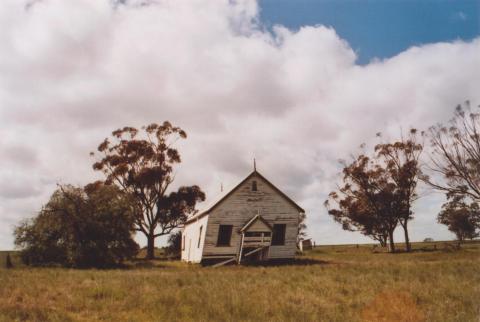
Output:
x=231 y=259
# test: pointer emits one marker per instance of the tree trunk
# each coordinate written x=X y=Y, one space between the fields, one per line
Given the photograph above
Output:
x=150 y=246
x=408 y=247
x=460 y=239
x=391 y=245
x=384 y=242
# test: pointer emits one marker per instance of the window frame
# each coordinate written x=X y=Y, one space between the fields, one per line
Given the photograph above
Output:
x=200 y=236
x=254 y=185
x=275 y=240
x=219 y=244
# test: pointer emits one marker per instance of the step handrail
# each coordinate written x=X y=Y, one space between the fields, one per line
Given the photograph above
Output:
x=254 y=251
x=225 y=262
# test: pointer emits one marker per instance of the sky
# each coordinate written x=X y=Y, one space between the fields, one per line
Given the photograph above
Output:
x=380 y=28
x=296 y=84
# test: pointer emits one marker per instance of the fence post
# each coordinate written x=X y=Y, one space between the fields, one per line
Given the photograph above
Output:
x=8 y=262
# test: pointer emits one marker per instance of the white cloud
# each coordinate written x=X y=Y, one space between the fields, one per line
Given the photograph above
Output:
x=72 y=71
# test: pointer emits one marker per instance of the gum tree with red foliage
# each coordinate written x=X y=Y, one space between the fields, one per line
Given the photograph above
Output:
x=367 y=200
x=461 y=216
x=141 y=164
x=402 y=162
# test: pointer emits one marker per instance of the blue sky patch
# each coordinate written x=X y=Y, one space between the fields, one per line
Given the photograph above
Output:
x=379 y=29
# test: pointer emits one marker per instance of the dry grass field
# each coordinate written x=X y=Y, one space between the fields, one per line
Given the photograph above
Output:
x=330 y=283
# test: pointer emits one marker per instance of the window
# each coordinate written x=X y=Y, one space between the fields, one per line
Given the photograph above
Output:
x=183 y=242
x=278 y=237
x=200 y=236
x=224 y=235
x=254 y=185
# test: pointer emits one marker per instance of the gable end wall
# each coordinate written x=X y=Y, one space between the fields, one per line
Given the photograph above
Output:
x=241 y=206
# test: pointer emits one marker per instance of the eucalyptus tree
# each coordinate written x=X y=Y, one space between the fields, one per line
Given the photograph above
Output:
x=462 y=217
x=455 y=167
x=455 y=157
x=366 y=201
x=401 y=160
x=141 y=163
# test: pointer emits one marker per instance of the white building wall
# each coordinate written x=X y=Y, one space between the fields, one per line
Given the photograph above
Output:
x=192 y=241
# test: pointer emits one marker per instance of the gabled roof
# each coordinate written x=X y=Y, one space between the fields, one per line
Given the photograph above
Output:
x=224 y=196
x=254 y=219
x=293 y=203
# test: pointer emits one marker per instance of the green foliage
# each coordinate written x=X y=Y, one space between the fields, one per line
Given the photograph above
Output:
x=461 y=217
x=80 y=227
x=174 y=247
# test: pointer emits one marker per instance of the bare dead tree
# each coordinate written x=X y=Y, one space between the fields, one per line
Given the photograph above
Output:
x=456 y=154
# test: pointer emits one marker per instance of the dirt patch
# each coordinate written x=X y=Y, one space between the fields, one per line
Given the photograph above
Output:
x=393 y=306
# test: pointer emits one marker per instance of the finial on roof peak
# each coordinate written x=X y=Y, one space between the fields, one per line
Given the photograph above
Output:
x=254 y=165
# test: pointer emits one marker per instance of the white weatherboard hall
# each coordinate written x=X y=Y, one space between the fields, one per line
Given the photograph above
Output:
x=255 y=221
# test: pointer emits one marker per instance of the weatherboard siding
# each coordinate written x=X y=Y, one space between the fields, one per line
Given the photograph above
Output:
x=191 y=251
x=258 y=226
x=243 y=204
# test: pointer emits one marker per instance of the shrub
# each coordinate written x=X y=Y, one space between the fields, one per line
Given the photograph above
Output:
x=80 y=227
x=174 y=245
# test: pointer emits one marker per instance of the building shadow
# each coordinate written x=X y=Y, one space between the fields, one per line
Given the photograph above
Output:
x=288 y=262
x=142 y=263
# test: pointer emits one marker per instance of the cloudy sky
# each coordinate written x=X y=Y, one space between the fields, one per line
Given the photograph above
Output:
x=295 y=84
